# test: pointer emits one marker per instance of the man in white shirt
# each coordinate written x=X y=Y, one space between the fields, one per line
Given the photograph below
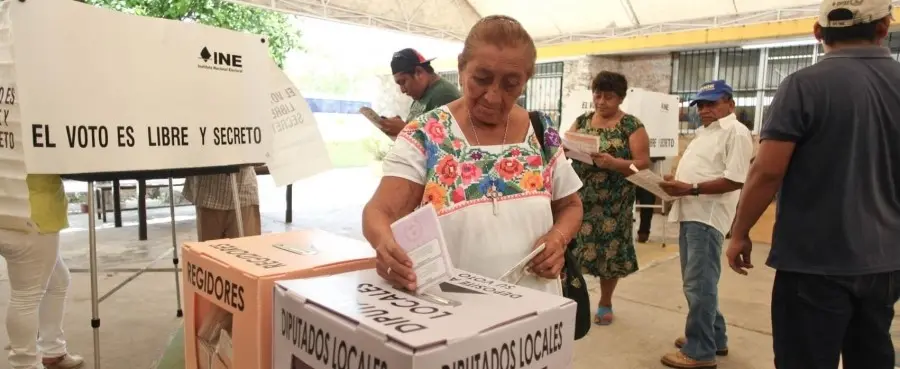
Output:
x=708 y=180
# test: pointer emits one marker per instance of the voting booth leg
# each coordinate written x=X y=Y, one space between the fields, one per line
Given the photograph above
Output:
x=92 y=247
x=237 y=204
x=178 y=312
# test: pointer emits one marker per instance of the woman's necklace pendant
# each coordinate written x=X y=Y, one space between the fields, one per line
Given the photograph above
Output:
x=493 y=194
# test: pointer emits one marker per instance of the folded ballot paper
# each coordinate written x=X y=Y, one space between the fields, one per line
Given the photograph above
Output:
x=420 y=235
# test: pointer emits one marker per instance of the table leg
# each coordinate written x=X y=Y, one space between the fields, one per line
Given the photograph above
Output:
x=117 y=204
x=289 y=204
x=142 y=210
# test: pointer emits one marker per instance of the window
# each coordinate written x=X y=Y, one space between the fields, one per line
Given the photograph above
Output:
x=783 y=61
x=740 y=68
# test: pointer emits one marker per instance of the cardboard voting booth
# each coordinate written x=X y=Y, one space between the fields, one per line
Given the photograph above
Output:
x=153 y=99
x=659 y=114
x=228 y=290
x=357 y=320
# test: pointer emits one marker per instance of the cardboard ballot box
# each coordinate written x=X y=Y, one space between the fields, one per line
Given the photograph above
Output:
x=228 y=291
x=356 y=320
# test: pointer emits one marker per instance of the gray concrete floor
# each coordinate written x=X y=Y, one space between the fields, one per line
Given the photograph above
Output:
x=139 y=319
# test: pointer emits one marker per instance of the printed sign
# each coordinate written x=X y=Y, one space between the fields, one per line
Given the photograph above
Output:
x=15 y=210
x=154 y=94
x=341 y=321
x=298 y=150
x=659 y=114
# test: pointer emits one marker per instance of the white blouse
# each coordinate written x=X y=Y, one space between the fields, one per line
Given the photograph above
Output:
x=493 y=200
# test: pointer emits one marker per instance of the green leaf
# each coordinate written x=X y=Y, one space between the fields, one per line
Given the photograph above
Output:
x=276 y=27
x=473 y=192
x=486 y=165
x=511 y=189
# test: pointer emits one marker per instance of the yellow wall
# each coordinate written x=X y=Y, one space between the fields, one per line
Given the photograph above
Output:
x=670 y=41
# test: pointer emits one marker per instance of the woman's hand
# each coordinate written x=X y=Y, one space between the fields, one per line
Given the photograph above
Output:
x=549 y=263
x=394 y=265
x=603 y=160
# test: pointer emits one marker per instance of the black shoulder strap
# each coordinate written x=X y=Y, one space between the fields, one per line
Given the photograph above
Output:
x=538 y=126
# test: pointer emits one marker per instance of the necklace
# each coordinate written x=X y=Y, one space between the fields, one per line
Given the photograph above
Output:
x=492 y=192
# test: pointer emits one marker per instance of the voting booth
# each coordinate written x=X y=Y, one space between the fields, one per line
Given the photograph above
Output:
x=96 y=95
x=358 y=320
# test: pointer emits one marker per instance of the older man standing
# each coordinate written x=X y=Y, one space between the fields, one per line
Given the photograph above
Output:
x=829 y=150
x=708 y=180
x=213 y=197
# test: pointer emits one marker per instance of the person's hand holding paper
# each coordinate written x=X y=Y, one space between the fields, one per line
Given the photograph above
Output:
x=394 y=265
x=549 y=263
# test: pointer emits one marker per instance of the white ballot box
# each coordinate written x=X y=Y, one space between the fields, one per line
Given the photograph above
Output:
x=357 y=320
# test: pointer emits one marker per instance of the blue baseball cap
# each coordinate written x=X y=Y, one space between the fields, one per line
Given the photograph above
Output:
x=712 y=91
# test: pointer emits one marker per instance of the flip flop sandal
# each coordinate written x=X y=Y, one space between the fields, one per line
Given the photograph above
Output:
x=604 y=316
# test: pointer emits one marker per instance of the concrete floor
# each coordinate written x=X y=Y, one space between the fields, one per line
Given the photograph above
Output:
x=139 y=320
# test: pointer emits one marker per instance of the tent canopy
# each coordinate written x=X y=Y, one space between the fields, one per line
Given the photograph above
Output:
x=548 y=21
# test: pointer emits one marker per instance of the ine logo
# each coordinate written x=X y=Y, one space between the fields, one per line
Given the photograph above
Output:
x=220 y=61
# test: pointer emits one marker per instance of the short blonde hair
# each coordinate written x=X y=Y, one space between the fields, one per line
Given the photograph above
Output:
x=500 y=31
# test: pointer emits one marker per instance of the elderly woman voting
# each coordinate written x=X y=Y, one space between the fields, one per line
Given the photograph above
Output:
x=498 y=191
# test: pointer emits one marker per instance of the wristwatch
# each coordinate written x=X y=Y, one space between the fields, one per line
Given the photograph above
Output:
x=695 y=190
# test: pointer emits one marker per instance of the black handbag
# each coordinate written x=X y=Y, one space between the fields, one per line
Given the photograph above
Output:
x=573 y=285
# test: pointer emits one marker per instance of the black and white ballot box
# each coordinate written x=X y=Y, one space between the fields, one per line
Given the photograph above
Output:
x=357 y=320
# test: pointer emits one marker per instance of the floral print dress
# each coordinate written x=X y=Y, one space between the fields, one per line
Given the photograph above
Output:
x=493 y=200
x=605 y=244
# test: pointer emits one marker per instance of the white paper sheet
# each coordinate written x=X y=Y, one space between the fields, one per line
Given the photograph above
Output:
x=421 y=236
x=649 y=181
x=298 y=149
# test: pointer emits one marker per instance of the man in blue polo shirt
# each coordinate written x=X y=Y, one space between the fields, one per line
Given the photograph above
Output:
x=829 y=150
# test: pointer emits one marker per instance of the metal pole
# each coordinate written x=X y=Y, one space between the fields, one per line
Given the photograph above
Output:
x=92 y=247
x=237 y=204
x=179 y=313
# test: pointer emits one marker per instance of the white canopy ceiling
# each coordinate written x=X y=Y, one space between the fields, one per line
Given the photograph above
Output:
x=549 y=21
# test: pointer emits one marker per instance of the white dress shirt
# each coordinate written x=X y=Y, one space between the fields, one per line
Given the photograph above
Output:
x=722 y=149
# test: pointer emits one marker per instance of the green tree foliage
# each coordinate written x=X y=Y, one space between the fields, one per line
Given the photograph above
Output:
x=276 y=27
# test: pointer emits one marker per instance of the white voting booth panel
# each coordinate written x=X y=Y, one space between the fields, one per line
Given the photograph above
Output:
x=154 y=95
x=357 y=320
x=659 y=114
x=574 y=105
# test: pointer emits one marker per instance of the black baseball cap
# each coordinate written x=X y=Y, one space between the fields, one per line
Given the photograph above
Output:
x=406 y=61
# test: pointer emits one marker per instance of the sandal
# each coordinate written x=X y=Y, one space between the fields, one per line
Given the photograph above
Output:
x=604 y=316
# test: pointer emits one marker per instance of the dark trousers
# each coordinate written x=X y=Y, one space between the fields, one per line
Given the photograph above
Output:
x=817 y=318
x=645 y=197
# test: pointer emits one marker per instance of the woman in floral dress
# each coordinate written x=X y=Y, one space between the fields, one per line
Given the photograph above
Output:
x=605 y=242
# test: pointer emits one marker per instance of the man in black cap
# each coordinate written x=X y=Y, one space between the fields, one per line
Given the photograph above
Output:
x=417 y=79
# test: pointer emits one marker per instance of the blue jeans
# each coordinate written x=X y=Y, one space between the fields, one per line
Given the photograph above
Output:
x=700 y=246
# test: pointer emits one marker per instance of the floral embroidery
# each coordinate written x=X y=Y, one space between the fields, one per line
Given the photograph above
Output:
x=435 y=194
x=469 y=173
x=459 y=174
x=436 y=131
x=509 y=168
x=532 y=181
x=447 y=170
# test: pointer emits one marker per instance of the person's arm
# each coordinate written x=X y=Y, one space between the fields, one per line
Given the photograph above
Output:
x=785 y=124
x=567 y=216
x=394 y=198
x=639 y=144
x=737 y=164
